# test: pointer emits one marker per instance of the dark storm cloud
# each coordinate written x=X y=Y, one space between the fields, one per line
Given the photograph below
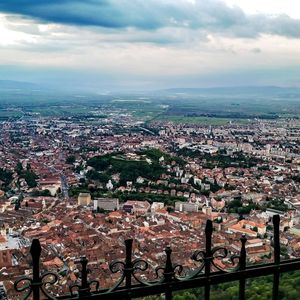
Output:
x=208 y=15
x=103 y=13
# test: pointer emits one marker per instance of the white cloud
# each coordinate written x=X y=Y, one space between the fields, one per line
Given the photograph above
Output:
x=275 y=7
x=220 y=40
x=9 y=36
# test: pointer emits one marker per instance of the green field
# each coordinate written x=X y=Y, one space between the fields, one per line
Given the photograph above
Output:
x=207 y=107
x=199 y=120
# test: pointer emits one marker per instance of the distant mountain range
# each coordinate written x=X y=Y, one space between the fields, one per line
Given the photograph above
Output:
x=18 y=85
x=233 y=90
x=15 y=86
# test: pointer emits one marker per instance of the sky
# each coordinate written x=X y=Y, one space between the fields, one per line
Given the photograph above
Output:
x=104 y=45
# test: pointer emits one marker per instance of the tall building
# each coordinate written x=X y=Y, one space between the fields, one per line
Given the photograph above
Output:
x=108 y=204
x=84 y=199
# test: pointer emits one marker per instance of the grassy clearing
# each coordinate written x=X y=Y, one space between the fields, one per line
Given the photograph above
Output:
x=200 y=120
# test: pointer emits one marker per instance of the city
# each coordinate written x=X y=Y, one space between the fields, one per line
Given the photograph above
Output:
x=83 y=188
x=149 y=150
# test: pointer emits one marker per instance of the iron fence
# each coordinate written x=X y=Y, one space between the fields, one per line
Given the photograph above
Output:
x=169 y=276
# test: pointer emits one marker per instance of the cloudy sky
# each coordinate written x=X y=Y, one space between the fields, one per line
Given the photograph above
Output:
x=149 y=44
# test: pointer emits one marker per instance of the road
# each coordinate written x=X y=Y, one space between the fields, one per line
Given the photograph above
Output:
x=64 y=186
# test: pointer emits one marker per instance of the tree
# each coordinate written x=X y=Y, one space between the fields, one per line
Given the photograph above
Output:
x=170 y=209
x=186 y=295
x=6 y=176
x=30 y=178
x=17 y=204
x=19 y=168
x=99 y=162
x=44 y=193
x=100 y=210
x=94 y=175
x=278 y=204
x=70 y=160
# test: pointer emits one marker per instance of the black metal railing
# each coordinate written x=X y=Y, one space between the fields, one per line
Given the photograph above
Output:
x=169 y=277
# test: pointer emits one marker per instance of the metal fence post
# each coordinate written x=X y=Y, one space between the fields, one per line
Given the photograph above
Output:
x=242 y=267
x=35 y=252
x=276 y=241
x=208 y=256
x=168 y=273
x=85 y=287
x=128 y=266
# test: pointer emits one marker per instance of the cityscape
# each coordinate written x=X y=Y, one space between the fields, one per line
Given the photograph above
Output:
x=83 y=184
x=149 y=150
